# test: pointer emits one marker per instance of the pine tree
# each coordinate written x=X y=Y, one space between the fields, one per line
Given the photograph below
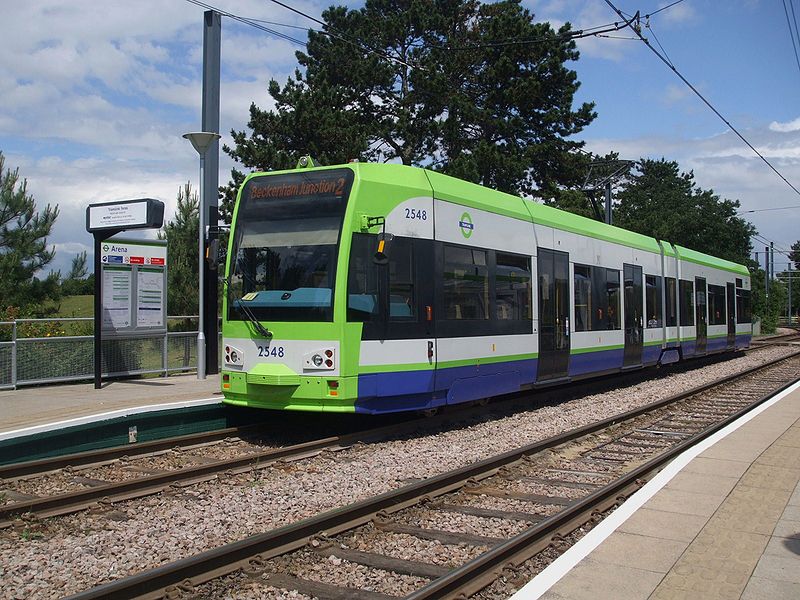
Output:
x=661 y=201
x=428 y=83
x=77 y=282
x=23 y=244
x=181 y=234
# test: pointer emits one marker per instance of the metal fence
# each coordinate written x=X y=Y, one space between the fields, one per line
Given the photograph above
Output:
x=34 y=351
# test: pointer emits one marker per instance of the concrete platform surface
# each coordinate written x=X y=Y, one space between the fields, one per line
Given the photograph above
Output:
x=726 y=526
x=32 y=406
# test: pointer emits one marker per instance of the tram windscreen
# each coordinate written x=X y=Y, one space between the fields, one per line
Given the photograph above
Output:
x=286 y=243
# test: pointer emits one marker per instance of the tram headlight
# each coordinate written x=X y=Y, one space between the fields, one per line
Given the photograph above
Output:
x=234 y=356
x=321 y=359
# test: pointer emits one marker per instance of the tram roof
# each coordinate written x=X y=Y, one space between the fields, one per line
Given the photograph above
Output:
x=469 y=194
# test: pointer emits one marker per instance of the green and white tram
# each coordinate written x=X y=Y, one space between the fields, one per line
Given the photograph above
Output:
x=377 y=288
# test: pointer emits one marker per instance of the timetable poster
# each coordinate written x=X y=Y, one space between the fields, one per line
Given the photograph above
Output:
x=116 y=298
x=150 y=297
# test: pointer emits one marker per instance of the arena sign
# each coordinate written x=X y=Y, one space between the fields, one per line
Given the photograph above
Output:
x=130 y=276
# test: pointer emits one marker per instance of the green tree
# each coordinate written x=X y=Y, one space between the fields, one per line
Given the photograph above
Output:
x=433 y=84
x=794 y=255
x=78 y=281
x=23 y=244
x=181 y=234
x=768 y=309
x=659 y=200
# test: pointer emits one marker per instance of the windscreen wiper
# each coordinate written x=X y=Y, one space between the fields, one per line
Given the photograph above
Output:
x=245 y=310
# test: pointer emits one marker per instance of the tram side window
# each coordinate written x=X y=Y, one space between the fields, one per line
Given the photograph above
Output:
x=743 y=306
x=672 y=317
x=653 y=297
x=612 y=295
x=402 y=300
x=513 y=287
x=605 y=299
x=362 y=284
x=686 y=289
x=466 y=283
x=583 y=298
x=362 y=281
x=716 y=305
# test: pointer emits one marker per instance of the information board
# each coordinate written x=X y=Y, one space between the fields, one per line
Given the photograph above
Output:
x=134 y=286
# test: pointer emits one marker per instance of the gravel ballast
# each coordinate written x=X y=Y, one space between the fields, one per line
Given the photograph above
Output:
x=69 y=554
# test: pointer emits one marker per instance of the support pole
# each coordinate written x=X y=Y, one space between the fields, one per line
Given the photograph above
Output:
x=772 y=260
x=790 y=293
x=212 y=33
x=201 y=236
x=98 y=318
x=766 y=271
x=608 y=203
x=99 y=238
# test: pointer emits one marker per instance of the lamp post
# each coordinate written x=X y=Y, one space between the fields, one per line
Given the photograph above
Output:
x=201 y=140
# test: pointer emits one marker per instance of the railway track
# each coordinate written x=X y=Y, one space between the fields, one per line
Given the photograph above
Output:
x=771 y=340
x=63 y=485
x=493 y=514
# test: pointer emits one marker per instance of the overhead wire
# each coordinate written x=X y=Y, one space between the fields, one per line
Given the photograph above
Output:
x=571 y=35
x=655 y=12
x=329 y=31
x=792 y=32
x=257 y=24
x=655 y=37
x=744 y=212
x=246 y=21
x=666 y=61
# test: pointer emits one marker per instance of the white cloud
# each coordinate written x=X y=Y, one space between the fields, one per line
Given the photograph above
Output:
x=722 y=162
x=677 y=14
x=785 y=127
x=675 y=94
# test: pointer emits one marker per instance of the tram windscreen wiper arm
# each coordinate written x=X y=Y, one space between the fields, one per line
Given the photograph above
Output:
x=245 y=310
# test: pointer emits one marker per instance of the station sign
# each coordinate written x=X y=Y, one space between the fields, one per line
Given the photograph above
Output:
x=145 y=213
x=133 y=286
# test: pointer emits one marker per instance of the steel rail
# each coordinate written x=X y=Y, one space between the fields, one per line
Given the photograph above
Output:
x=225 y=559
x=475 y=575
x=44 y=465
x=153 y=484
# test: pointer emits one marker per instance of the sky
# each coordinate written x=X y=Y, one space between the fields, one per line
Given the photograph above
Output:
x=95 y=96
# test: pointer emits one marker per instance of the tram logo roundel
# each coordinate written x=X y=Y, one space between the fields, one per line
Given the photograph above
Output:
x=466 y=225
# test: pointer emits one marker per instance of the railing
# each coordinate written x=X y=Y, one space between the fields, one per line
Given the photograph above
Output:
x=35 y=351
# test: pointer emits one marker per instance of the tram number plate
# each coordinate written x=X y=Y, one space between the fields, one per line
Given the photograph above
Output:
x=274 y=351
x=416 y=214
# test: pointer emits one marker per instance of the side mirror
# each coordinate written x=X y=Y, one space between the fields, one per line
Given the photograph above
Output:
x=212 y=254
x=381 y=256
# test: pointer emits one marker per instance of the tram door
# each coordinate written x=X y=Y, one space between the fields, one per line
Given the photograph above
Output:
x=634 y=319
x=553 y=268
x=700 y=314
x=730 y=300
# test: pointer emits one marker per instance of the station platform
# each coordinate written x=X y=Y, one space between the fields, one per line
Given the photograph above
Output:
x=32 y=409
x=721 y=521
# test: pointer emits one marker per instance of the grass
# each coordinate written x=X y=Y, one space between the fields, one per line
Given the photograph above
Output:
x=75 y=306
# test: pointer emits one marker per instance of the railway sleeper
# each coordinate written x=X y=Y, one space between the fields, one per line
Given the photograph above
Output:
x=489 y=513
x=495 y=492
x=322 y=591
x=573 y=485
x=644 y=443
x=438 y=535
x=385 y=563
